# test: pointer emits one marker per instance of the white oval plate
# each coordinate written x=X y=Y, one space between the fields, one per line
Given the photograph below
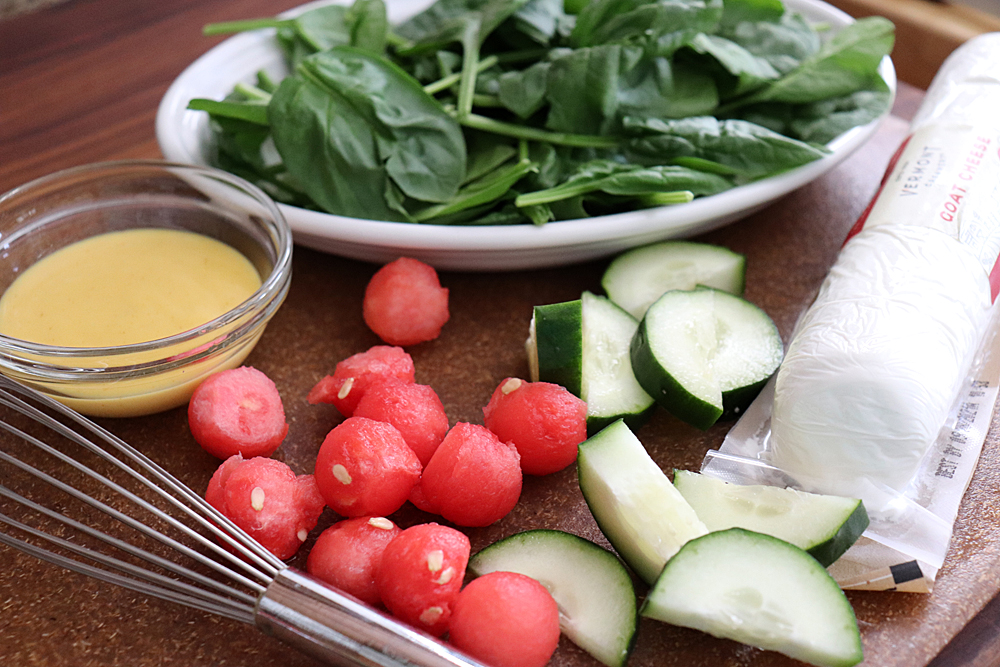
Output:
x=184 y=136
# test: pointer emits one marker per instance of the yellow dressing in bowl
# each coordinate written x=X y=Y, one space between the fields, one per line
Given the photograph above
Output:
x=125 y=287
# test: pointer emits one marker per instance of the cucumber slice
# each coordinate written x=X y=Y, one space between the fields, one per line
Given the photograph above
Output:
x=824 y=526
x=637 y=278
x=761 y=591
x=555 y=344
x=642 y=514
x=705 y=353
x=595 y=594
x=584 y=346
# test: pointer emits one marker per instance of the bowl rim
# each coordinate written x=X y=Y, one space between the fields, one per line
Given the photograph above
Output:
x=272 y=289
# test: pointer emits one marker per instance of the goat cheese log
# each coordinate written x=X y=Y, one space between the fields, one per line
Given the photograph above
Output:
x=877 y=361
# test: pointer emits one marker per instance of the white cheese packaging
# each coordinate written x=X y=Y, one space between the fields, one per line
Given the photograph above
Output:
x=875 y=364
x=890 y=378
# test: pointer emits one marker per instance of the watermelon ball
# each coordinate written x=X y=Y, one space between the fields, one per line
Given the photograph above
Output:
x=404 y=303
x=421 y=573
x=365 y=468
x=414 y=409
x=473 y=479
x=505 y=619
x=237 y=411
x=544 y=421
x=356 y=374
x=347 y=554
x=267 y=500
x=420 y=501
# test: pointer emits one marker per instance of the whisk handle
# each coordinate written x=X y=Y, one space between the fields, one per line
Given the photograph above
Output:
x=318 y=620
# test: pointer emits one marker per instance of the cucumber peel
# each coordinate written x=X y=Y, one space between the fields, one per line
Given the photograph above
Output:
x=824 y=526
x=556 y=330
x=583 y=345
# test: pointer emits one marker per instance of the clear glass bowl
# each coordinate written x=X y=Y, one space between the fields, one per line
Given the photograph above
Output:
x=49 y=213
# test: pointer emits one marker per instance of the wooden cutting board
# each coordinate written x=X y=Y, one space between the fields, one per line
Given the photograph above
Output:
x=52 y=618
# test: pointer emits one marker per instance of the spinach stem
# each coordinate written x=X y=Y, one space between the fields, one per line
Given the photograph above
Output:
x=252 y=111
x=667 y=198
x=451 y=80
x=477 y=122
x=470 y=62
x=487 y=101
x=228 y=27
x=557 y=193
x=253 y=92
x=265 y=82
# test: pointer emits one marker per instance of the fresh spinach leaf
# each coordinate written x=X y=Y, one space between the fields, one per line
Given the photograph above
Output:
x=748 y=149
x=848 y=62
x=630 y=180
x=664 y=88
x=486 y=153
x=524 y=91
x=822 y=122
x=743 y=71
x=369 y=25
x=448 y=21
x=349 y=122
x=619 y=21
x=538 y=23
x=784 y=44
x=592 y=89
x=484 y=190
x=736 y=12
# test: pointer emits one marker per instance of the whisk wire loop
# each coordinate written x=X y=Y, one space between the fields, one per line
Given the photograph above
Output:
x=125 y=547
x=165 y=485
x=125 y=518
x=131 y=576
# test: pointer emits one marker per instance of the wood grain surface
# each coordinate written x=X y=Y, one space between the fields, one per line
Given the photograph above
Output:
x=80 y=83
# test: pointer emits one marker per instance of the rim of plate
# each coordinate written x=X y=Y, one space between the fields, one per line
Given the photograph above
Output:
x=183 y=137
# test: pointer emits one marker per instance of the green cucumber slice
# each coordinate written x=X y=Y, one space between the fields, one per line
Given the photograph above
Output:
x=637 y=278
x=704 y=354
x=824 y=526
x=584 y=346
x=761 y=591
x=595 y=594
x=642 y=514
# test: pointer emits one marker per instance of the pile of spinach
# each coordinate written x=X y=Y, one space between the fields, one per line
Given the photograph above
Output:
x=511 y=111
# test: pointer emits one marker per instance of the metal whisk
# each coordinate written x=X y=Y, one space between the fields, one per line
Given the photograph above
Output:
x=193 y=555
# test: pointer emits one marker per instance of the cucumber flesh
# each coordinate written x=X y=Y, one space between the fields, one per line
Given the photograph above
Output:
x=642 y=514
x=583 y=345
x=637 y=278
x=609 y=386
x=824 y=526
x=759 y=590
x=704 y=353
x=594 y=592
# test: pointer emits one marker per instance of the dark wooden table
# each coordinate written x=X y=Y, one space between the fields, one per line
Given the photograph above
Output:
x=80 y=83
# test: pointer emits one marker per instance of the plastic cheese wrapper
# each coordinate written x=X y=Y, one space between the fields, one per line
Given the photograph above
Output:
x=889 y=381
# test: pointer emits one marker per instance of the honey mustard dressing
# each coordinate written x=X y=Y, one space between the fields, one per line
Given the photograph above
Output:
x=124 y=287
